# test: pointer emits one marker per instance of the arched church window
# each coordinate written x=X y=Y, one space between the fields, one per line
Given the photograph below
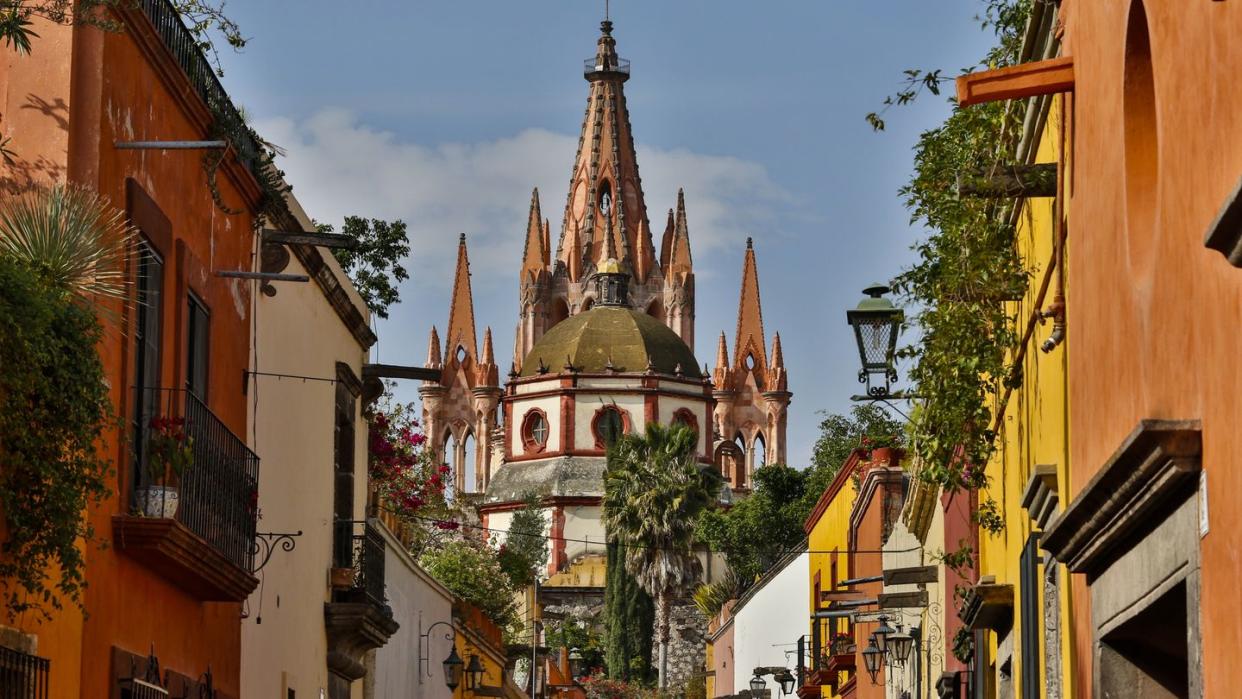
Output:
x=535 y=431
x=686 y=417
x=605 y=200
x=468 y=466
x=759 y=450
x=609 y=425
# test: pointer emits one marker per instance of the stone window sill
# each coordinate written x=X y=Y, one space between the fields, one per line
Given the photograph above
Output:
x=183 y=558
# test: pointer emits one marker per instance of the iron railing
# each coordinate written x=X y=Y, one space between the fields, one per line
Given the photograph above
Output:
x=23 y=676
x=595 y=65
x=359 y=546
x=219 y=492
x=189 y=56
x=829 y=638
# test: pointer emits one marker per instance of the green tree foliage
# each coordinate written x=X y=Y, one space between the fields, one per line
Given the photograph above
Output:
x=629 y=616
x=758 y=530
x=654 y=491
x=375 y=265
x=841 y=434
x=471 y=570
x=53 y=412
x=526 y=547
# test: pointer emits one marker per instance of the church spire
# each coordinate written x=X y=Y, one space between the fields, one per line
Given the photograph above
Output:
x=461 y=313
x=433 y=350
x=534 y=257
x=721 y=374
x=605 y=189
x=749 y=350
x=666 y=242
x=679 y=262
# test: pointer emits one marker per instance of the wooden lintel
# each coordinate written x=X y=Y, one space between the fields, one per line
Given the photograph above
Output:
x=321 y=240
x=394 y=371
x=1009 y=181
x=1017 y=82
x=913 y=575
x=840 y=595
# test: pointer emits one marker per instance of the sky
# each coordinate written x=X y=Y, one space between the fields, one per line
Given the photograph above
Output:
x=446 y=114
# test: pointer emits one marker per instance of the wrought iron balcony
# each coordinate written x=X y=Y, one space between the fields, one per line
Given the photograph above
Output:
x=186 y=51
x=359 y=546
x=23 y=676
x=217 y=494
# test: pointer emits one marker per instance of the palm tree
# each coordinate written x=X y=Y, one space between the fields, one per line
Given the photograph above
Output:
x=654 y=489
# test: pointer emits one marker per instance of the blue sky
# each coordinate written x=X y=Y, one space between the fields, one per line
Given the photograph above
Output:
x=446 y=114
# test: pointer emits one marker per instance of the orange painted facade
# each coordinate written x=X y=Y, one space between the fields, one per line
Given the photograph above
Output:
x=1156 y=322
x=64 y=105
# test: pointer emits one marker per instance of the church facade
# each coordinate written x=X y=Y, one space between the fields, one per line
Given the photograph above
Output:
x=603 y=346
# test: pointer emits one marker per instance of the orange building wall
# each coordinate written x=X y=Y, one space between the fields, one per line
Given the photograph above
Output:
x=112 y=90
x=1156 y=322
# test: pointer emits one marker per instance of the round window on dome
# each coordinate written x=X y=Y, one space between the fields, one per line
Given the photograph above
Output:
x=535 y=431
x=609 y=425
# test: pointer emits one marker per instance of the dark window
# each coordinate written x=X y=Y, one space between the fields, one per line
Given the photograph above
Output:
x=1030 y=616
x=343 y=468
x=147 y=342
x=609 y=426
x=197 y=349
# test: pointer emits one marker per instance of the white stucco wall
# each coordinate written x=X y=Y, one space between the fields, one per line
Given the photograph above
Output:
x=551 y=406
x=770 y=622
x=293 y=432
x=582 y=525
x=587 y=404
x=417 y=602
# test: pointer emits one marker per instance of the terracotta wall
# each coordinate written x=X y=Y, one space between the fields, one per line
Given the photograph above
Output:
x=1155 y=320
x=64 y=105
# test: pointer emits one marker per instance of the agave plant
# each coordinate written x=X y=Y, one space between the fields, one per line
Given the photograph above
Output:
x=71 y=238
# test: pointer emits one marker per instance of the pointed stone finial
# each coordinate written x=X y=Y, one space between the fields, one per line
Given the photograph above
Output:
x=488 y=357
x=569 y=365
x=677 y=370
x=543 y=368
x=722 y=352
x=434 y=360
x=680 y=263
x=666 y=242
x=609 y=367
x=650 y=366
x=534 y=254
x=513 y=372
x=461 y=311
x=778 y=357
x=750 y=346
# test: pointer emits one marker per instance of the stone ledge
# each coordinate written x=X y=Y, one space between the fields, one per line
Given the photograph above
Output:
x=169 y=548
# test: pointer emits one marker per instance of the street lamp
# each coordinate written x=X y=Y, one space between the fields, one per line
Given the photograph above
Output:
x=474 y=673
x=873 y=658
x=757 y=685
x=787 y=681
x=575 y=662
x=900 y=644
x=452 y=669
x=876 y=322
x=882 y=633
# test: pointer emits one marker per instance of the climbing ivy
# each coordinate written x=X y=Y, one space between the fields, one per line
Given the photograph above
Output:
x=54 y=409
x=967 y=267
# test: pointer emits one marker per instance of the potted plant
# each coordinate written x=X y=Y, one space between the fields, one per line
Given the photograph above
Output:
x=170 y=451
x=883 y=449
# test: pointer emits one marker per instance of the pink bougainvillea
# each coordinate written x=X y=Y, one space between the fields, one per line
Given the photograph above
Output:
x=399 y=466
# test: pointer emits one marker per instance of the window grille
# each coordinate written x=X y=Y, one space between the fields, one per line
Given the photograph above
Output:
x=23 y=676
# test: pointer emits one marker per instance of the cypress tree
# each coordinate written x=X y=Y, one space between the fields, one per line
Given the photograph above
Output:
x=629 y=617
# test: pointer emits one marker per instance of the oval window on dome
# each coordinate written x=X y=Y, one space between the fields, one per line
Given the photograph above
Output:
x=535 y=431
x=609 y=426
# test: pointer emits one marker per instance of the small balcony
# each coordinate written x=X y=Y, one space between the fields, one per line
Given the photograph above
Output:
x=358 y=618
x=200 y=533
x=593 y=66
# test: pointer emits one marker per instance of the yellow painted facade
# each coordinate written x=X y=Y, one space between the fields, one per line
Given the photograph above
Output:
x=1034 y=428
x=828 y=532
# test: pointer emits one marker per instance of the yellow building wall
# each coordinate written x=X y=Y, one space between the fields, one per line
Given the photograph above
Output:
x=1034 y=429
x=830 y=533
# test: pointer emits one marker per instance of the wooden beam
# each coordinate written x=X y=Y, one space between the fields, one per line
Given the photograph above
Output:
x=903 y=600
x=319 y=240
x=1009 y=181
x=908 y=576
x=264 y=276
x=170 y=145
x=1017 y=82
x=394 y=371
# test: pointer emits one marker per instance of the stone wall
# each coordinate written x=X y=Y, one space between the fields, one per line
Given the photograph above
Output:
x=687 y=653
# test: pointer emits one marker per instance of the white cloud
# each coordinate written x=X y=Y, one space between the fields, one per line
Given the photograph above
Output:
x=340 y=166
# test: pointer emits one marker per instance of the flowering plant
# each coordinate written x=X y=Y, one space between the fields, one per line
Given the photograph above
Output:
x=169 y=449
x=402 y=471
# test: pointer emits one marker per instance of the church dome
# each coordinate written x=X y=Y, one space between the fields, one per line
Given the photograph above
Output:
x=630 y=340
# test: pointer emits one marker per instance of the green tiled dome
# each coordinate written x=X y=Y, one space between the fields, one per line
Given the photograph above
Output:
x=632 y=340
